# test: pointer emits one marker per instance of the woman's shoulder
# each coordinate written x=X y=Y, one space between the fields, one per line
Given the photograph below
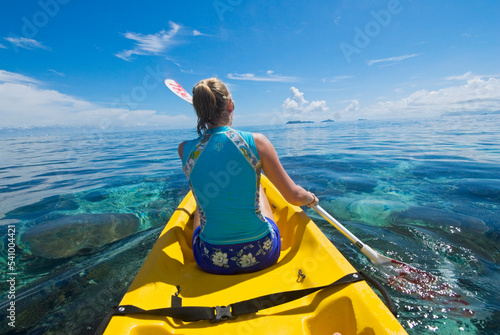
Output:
x=260 y=139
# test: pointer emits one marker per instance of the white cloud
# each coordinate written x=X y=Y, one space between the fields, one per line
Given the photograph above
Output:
x=270 y=76
x=2 y=46
x=476 y=95
x=391 y=59
x=297 y=101
x=60 y=74
x=298 y=107
x=26 y=104
x=353 y=106
x=26 y=43
x=464 y=76
x=152 y=44
x=16 y=78
x=199 y=33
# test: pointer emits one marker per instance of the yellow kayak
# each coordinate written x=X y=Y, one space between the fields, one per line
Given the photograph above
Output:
x=308 y=259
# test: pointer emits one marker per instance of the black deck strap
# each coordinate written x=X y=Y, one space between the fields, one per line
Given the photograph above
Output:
x=104 y=323
x=276 y=299
x=221 y=313
x=387 y=297
x=184 y=313
x=182 y=209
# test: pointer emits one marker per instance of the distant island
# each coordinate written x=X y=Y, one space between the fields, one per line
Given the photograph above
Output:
x=329 y=120
x=297 y=122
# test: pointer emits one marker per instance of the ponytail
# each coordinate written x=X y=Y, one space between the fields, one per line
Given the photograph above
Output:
x=210 y=103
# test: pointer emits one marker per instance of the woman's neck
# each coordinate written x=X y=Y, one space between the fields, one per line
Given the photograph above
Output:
x=219 y=125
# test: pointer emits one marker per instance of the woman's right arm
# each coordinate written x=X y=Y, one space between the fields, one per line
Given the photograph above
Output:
x=293 y=193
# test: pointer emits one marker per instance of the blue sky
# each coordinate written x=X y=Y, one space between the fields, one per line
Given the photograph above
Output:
x=102 y=63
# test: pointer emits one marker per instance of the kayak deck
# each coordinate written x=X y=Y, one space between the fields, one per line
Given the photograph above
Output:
x=352 y=309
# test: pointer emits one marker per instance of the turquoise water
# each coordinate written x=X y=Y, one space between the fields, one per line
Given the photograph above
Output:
x=426 y=192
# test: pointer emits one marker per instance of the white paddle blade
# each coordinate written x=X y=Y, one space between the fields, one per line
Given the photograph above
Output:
x=374 y=256
x=177 y=89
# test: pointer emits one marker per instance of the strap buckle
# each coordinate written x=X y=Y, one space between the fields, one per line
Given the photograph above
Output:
x=222 y=313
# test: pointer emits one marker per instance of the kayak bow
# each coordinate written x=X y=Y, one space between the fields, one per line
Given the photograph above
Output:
x=308 y=261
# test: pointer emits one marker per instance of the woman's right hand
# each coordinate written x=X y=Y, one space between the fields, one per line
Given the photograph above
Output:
x=314 y=200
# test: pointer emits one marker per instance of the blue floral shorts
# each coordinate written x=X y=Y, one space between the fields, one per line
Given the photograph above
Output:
x=238 y=258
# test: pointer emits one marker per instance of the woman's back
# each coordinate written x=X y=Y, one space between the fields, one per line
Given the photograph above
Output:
x=224 y=167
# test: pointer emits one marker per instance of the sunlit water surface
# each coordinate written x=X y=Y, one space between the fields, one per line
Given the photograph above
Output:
x=425 y=192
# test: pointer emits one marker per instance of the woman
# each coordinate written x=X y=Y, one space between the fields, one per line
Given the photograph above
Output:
x=234 y=227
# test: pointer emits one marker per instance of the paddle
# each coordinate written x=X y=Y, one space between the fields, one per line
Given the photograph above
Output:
x=421 y=282
x=405 y=271
x=178 y=90
x=374 y=256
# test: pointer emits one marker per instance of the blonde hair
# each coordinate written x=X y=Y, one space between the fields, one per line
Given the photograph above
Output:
x=210 y=97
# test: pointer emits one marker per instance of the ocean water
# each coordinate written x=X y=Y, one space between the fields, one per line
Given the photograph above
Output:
x=426 y=192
